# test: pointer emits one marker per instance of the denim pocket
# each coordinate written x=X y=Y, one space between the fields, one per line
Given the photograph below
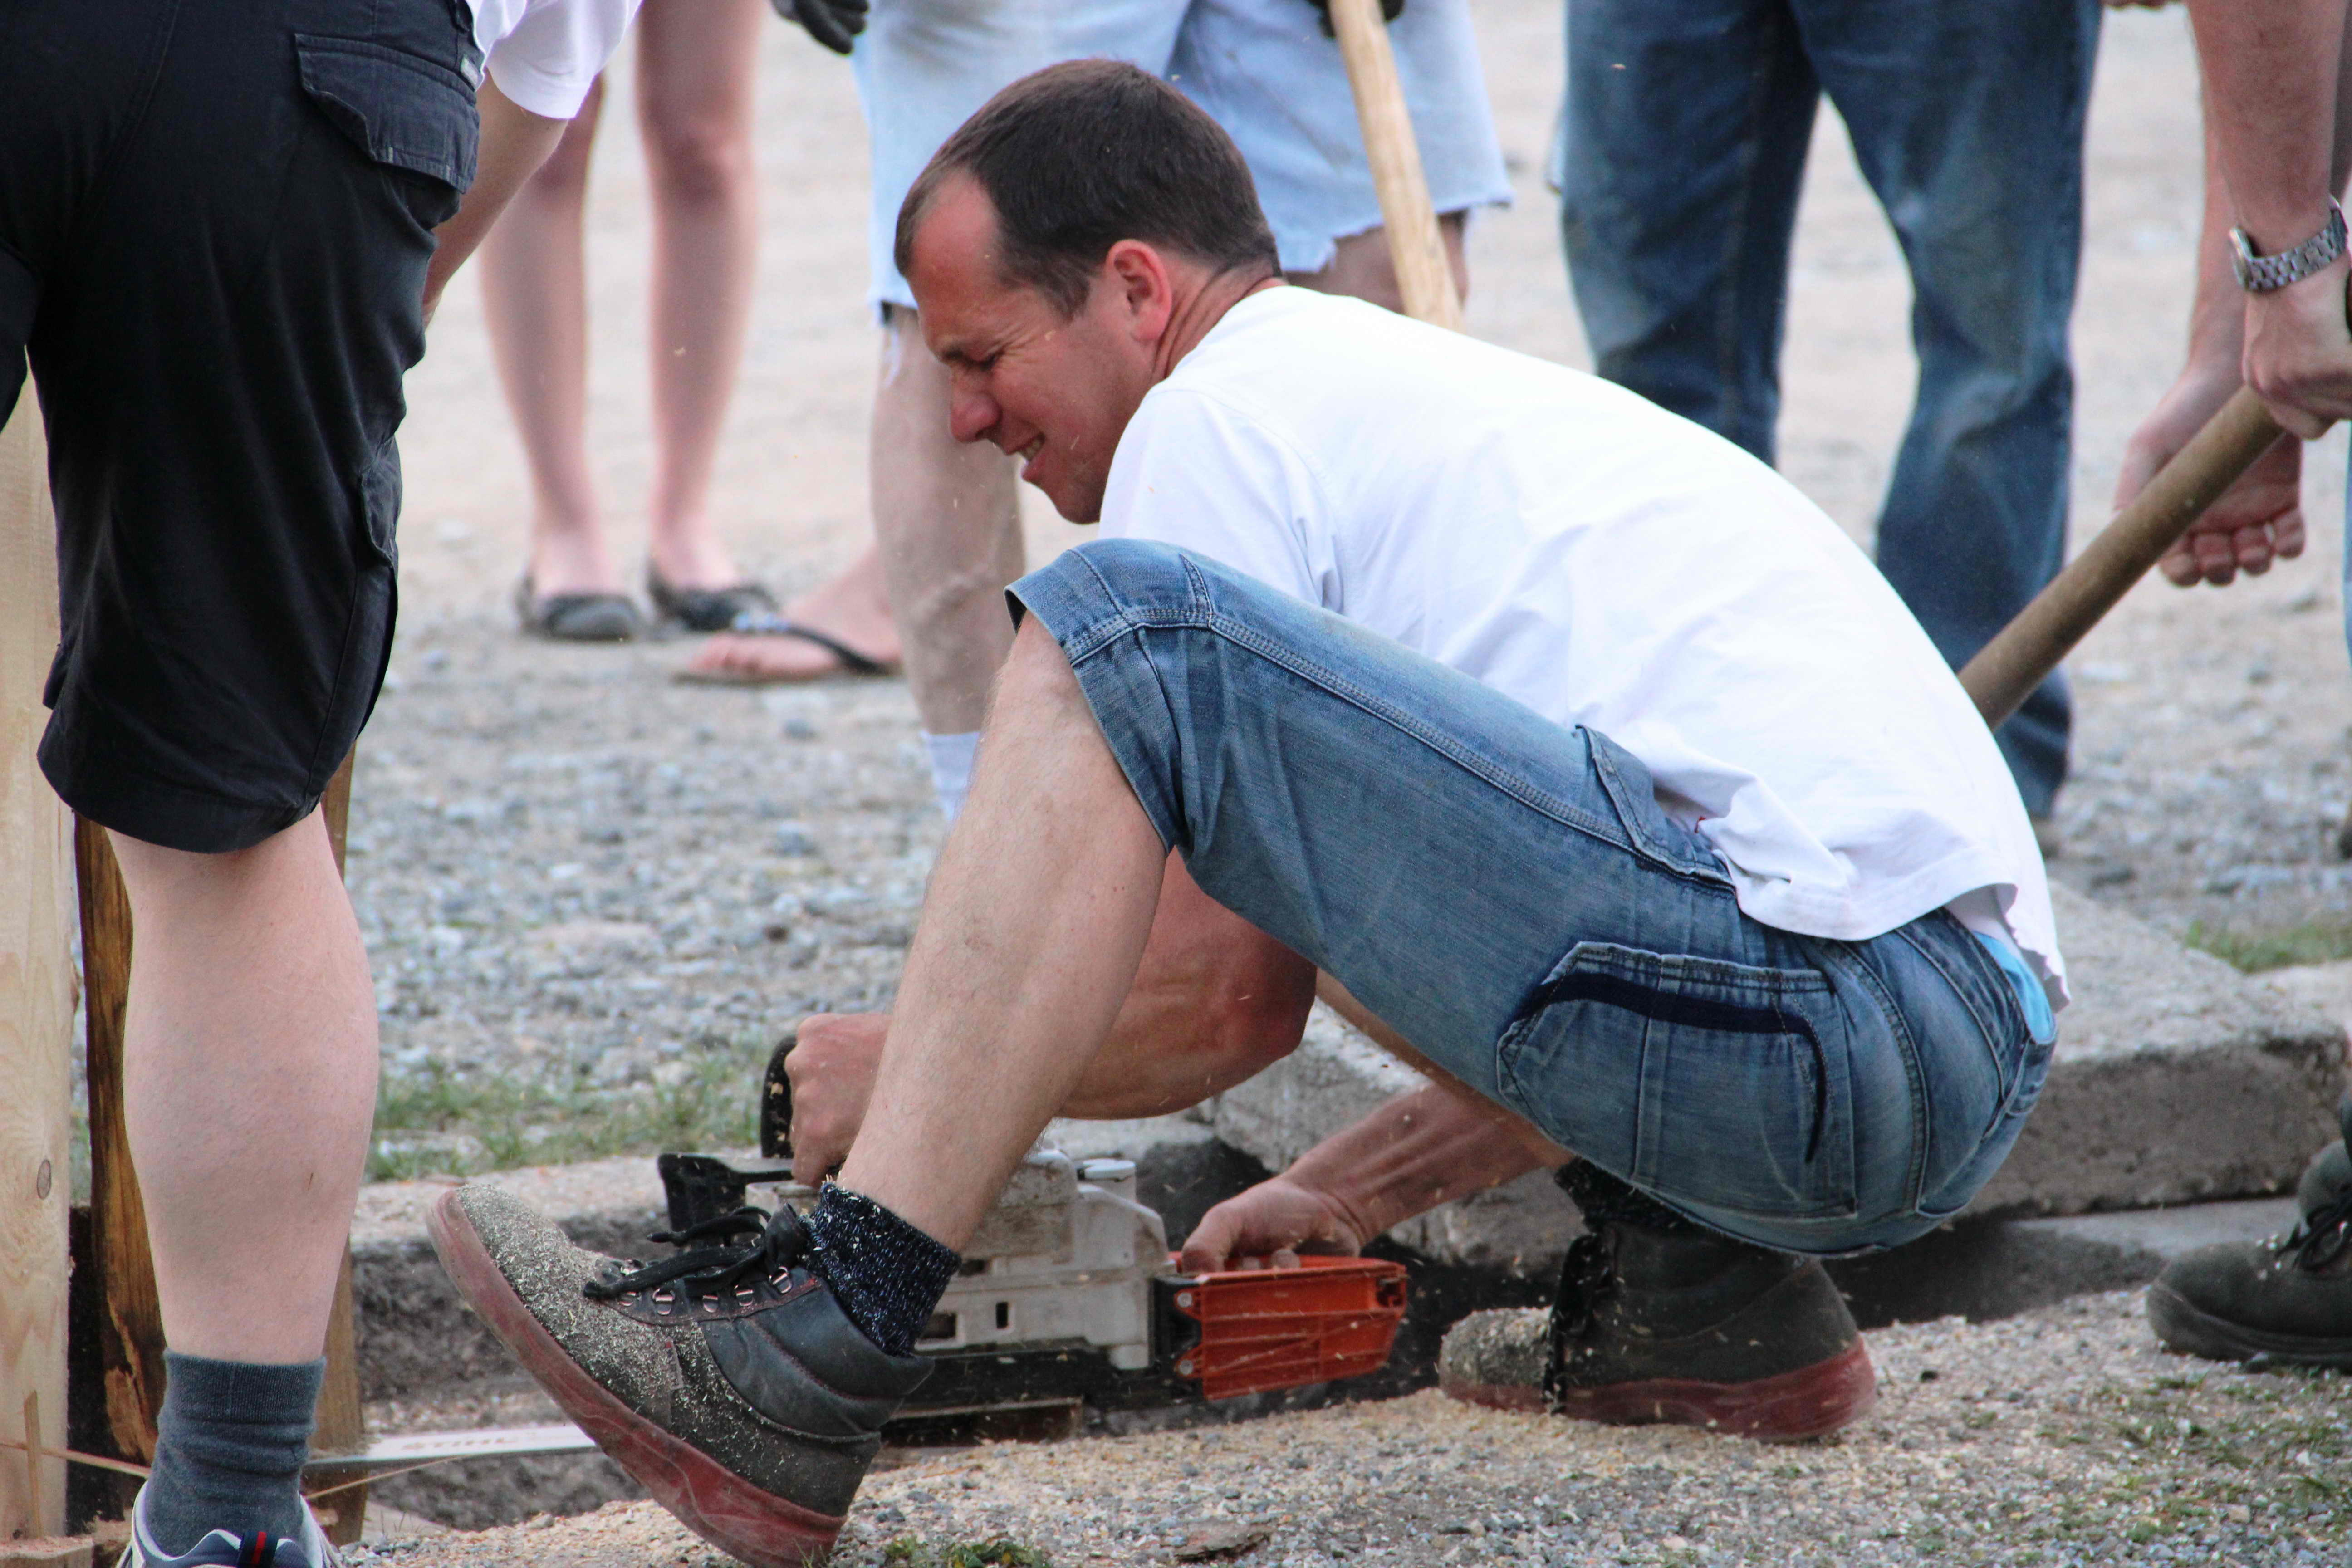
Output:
x=405 y=112
x=1721 y=1085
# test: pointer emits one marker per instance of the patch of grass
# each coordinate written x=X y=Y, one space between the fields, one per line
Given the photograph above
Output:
x=2257 y=948
x=1003 y=1552
x=438 y=1120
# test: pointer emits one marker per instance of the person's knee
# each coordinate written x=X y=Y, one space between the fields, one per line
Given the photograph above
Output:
x=154 y=872
x=699 y=161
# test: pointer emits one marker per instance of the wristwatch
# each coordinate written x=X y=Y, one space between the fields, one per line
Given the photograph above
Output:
x=2261 y=273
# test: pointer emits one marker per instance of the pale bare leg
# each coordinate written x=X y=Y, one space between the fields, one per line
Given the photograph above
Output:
x=1360 y=265
x=695 y=69
x=535 y=301
x=1030 y=939
x=249 y=1073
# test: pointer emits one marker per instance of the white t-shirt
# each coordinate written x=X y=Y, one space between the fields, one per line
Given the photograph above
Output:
x=545 y=54
x=1611 y=565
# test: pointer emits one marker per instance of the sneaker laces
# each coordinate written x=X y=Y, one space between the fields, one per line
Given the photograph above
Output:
x=748 y=1244
x=2319 y=1237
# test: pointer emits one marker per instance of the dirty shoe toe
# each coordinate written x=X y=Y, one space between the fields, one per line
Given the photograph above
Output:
x=727 y=1380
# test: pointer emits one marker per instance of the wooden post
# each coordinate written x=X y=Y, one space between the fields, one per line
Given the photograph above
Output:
x=340 y=1430
x=36 y=980
x=1416 y=246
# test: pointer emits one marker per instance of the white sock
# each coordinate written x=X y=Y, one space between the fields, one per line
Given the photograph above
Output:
x=952 y=757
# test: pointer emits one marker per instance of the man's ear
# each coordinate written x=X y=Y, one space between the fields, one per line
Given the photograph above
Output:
x=1146 y=291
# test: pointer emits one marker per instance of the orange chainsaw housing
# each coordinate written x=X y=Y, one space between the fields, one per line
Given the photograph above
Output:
x=1263 y=1329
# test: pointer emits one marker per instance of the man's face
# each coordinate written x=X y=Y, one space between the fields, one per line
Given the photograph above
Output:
x=1055 y=392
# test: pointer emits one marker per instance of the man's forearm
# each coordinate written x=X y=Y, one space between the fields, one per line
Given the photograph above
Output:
x=515 y=142
x=2271 y=73
x=1420 y=1150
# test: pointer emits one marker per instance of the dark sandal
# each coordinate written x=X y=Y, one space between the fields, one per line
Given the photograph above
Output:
x=707 y=609
x=768 y=624
x=578 y=617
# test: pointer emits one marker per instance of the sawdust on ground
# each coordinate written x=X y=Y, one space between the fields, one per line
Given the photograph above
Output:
x=2063 y=1436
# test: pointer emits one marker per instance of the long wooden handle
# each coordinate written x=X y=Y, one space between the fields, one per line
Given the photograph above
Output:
x=2006 y=670
x=1415 y=246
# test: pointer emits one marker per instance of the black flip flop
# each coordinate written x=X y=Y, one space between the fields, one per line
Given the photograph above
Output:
x=768 y=624
x=707 y=609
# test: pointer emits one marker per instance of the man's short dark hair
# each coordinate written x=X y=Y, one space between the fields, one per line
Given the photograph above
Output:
x=1078 y=156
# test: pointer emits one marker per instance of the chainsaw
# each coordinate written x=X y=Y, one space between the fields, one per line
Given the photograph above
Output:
x=1069 y=1299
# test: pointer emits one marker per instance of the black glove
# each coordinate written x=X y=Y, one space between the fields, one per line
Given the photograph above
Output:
x=835 y=24
x=1390 y=11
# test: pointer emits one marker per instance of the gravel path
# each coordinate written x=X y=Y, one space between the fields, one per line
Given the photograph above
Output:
x=2062 y=1438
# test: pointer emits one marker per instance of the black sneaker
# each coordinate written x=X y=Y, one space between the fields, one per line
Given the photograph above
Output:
x=2289 y=1297
x=1658 y=1320
x=726 y=1379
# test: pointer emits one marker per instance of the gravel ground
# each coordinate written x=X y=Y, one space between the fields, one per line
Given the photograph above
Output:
x=2060 y=1438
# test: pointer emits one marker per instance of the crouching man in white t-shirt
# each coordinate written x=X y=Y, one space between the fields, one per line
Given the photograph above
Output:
x=1598 y=768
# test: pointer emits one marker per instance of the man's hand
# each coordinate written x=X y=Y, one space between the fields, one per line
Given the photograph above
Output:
x=2256 y=520
x=832 y=1067
x=1270 y=1224
x=835 y=24
x=2299 y=351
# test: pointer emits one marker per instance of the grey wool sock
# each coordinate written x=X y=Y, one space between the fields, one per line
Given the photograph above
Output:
x=887 y=1275
x=229 y=1448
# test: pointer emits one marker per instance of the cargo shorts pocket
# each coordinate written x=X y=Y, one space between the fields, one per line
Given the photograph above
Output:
x=1715 y=1084
x=407 y=113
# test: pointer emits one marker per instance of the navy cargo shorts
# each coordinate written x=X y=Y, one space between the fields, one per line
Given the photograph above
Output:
x=215 y=221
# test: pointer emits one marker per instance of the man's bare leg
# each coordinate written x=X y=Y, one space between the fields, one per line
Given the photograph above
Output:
x=1030 y=939
x=1360 y=265
x=249 y=1074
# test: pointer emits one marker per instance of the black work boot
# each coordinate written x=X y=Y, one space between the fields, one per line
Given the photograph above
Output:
x=1659 y=1320
x=726 y=1379
x=2289 y=1297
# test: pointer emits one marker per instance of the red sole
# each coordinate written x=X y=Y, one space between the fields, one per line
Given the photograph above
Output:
x=1809 y=1402
x=721 y=1506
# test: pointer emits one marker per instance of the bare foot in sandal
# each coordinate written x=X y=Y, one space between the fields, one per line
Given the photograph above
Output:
x=843 y=628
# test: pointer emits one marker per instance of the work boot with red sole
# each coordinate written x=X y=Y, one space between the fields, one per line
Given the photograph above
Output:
x=1659 y=1321
x=726 y=1379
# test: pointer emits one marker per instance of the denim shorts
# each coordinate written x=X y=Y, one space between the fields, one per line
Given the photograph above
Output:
x=1506 y=894
x=1264 y=68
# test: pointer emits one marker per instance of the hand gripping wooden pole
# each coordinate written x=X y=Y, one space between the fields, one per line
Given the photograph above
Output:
x=1415 y=246
x=2006 y=670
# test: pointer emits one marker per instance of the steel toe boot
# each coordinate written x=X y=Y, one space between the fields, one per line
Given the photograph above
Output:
x=2288 y=1298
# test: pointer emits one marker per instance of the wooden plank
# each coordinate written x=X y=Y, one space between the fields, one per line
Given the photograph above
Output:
x=131 y=1330
x=340 y=1428
x=36 y=991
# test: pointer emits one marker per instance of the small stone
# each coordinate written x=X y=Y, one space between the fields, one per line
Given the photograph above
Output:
x=1208 y=1539
x=794 y=839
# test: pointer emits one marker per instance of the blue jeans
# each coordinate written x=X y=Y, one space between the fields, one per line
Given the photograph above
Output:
x=1506 y=894
x=1682 y=145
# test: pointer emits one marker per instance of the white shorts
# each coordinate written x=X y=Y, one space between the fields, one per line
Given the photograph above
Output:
x=1262 y=67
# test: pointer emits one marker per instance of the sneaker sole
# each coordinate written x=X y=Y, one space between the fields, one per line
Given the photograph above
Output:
x=2185 y=1328
x=1789 y=1407
x=759 y=1527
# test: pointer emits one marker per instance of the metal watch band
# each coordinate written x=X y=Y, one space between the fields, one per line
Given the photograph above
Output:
x=2261 y=273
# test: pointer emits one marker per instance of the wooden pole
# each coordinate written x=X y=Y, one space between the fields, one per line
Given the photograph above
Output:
x=2006 y=670
x=1415 y=245
x=37 y=987
x=339 y=1428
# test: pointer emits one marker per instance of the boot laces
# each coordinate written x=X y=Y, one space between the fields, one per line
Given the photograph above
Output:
x=1588 y=1277
x=748 y=1245
x=2321 y=1237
